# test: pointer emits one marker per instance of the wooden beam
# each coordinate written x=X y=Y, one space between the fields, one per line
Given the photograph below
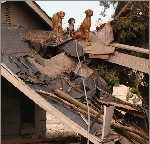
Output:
x=40 y=12
x=18 y=83
x=108 y=114
x=130 y=61
x=132 y=48
x=100 y=56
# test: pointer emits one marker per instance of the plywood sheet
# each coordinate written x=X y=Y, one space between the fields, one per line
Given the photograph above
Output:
x=132 y=48
x=99 y=42
x=130 y=61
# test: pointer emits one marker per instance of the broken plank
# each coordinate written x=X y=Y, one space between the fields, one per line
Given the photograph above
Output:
x=108 y=115
x=132 y=48
x=93 y=112
x=61 y=42
x=130 y=61
x=105 y=57
x=123 y=107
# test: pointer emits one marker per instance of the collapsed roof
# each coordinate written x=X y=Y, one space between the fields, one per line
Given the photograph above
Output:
x=39 y=67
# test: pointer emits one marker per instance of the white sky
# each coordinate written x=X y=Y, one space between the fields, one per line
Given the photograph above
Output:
x=76 y=10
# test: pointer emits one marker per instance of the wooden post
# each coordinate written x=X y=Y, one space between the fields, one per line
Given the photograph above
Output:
x=108 y=114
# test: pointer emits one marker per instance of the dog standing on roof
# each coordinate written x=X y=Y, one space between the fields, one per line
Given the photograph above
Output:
x=57 y=24
x=70 y=28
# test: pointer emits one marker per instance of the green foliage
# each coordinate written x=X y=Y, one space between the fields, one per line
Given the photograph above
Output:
x=106 y=5
x=135 y=91
x=110 y=76
x=134 y=94
x=131 y=28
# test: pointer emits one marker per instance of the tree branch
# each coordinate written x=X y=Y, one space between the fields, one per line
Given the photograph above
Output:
x=123 y=10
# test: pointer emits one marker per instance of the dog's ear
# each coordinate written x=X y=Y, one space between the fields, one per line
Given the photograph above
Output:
x=57 y=13
x=86 y=12
x=69 y=21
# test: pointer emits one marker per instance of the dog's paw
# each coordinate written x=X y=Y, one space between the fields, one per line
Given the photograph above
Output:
x=88 y=40
x=56 y=40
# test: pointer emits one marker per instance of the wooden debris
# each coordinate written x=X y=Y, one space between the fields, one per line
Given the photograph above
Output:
x=37 y=37
x=31 y=79
x=74 y=86
x=105 y=57
x=134 y=133
x=61 y=42
x=132 y=48
x=130 y=61
x=100 y=42
x=106 y=34
x=108 y=115
x=123 y=107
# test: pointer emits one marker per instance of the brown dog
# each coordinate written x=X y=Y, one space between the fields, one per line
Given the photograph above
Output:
x=57 y=24
x=84 y=29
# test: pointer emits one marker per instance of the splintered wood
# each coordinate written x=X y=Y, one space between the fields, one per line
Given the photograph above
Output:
x=99 y=47
x=39 y=37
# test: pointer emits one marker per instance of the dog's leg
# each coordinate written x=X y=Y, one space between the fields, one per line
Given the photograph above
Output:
x=60 y=33
x=88 y=36
x=56 y=33
x=69 y=33
x=73 y=33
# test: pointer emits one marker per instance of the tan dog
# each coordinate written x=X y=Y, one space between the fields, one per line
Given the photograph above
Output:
x=57 y=24
x=84 y=29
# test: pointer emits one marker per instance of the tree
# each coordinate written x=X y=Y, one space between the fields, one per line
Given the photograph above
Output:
x=130 y=26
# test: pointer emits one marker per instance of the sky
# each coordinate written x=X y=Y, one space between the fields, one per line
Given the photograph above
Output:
x=75 y=9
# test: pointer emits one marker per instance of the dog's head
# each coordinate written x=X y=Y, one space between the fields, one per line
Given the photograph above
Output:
x=89 y=12
x=71 y=21
x=61 y=14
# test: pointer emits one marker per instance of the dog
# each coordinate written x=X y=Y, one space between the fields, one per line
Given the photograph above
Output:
x=70 y=28
x=57 y=24
x=84 y=29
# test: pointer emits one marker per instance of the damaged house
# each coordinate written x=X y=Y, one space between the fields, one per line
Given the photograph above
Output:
x=39 y=75
x=21 y=117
